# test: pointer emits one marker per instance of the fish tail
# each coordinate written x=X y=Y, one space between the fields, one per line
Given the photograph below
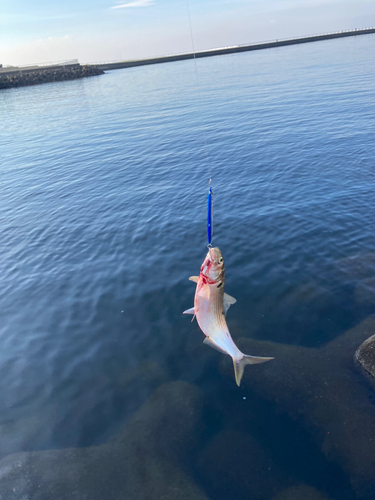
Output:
x=239 y=365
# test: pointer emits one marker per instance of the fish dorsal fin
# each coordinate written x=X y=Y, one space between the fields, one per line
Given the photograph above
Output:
x=204 y=292
x=209 y=342
x=228 y=301
x=194 y=278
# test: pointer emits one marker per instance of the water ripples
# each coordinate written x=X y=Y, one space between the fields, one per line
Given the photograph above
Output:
x=102 y=220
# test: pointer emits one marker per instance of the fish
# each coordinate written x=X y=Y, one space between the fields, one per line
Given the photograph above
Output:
x=211 y=304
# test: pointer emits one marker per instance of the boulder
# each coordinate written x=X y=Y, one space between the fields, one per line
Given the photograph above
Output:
x=144 y=461
x=365 y=356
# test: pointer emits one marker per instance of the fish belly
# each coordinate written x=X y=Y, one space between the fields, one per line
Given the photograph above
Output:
x=212 y=323
x=224 y=340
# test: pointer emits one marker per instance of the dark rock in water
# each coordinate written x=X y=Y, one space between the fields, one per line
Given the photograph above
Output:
x=81 y=421
x=307 y=294
x=300 y=492
x=141 y=463
x=365 y=356
x=319 y=389
x=23 y=433
x=364 y=292
x=136 y=385
x=235 y=466
x=145 y=374
x=357 y=267
x=292 y=308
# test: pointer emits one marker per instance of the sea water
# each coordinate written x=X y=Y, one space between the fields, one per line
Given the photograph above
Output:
x=103 y=205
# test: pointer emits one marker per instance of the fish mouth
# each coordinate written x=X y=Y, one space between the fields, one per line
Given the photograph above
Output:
x=215 y=256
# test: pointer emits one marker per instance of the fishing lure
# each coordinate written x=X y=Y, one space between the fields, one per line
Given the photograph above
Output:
x=210 y=202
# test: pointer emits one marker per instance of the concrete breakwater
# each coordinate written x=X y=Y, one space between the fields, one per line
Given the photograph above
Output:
x=34 y=75
x=234 y=49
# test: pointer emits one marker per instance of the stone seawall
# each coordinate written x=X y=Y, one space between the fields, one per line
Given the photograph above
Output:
x=17 y=77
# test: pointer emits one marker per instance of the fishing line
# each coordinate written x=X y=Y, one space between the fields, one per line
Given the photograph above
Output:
x=208 y=162
x=198 y=86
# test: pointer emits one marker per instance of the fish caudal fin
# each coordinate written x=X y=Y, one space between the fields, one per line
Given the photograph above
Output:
x=240 y=364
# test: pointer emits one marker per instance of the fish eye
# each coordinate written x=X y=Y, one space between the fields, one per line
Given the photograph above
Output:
x=221 y=260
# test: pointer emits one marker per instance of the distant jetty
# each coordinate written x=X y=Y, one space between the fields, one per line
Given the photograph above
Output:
x=11 y=76
x=34 y=75
x=234 y=49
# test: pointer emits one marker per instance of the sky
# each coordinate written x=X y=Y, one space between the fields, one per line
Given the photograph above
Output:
x=41 y=31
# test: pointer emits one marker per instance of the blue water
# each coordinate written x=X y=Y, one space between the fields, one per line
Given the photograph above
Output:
x=103 y=205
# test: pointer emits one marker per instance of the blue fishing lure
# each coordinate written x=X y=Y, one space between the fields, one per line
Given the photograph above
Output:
x=210 y=215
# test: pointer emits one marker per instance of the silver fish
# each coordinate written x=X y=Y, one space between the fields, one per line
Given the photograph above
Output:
x=210 y=307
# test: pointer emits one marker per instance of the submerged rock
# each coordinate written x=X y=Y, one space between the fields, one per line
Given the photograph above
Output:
x=318 y=388
x=357 y=267
x=81 y=422
x=136 y=385
x=300 y=492
x=306 y=300
x=364 y=292
x=22 y=433
x=235 y=466
x=365 y=356
x=145 y=374
x=144 y=461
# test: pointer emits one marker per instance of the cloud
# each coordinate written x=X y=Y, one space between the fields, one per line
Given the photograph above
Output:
x=136 y=3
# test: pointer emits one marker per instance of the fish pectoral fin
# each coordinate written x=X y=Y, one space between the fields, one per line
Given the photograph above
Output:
x=204 y=292
x=212 y=344
x=189 y=311
x=228 y=301
x=194 y=278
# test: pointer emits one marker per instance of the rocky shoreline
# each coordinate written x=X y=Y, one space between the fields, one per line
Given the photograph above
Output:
x=22 y=78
